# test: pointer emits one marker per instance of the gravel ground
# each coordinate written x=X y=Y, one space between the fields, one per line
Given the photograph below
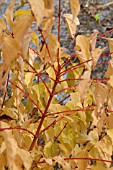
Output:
x=89 y=9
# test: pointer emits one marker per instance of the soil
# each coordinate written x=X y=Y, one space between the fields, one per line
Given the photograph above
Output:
x=94 y=14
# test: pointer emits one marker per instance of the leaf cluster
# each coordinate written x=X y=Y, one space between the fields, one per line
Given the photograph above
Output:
x=53 y=114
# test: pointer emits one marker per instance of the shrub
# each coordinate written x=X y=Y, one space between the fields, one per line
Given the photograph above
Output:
x=53 y=114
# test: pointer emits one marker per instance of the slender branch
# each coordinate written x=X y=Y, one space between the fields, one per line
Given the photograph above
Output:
x=68 y=60
x=62 y=117
x=40 y=30
x=102 y=63
x=64 y=99
x=27 y=95
x=74 y=67
x=17 y=127
x=104 y=34
x=96 y=142
x=88 y=108
x=105 y=5
x=67 y=88
x=83 y=159
x=69 y=79
x=89 y=159
x=38 y=76
x=60 y=131
x=34 y=51
x=45 y=112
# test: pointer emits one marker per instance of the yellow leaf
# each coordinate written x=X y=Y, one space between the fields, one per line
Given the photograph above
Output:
x=83 y=46
x=23 y=36
x=47 y=25
x=50 y=54
x=34 y=38
x=11 y=112
x=38 y=10
x=49 y=7
x=9 y=13
x=2 y=28
x=22 y=12
x=82 y=164
x=100 y=95
x=51 y=149
x=62 y=162
x=93 y=39
x=9 y=43
x=96 y=54
x=109 y=121
x=75 y=7
x=84 y=84
x=71 y=24
x=16 y=157
x=109 y=71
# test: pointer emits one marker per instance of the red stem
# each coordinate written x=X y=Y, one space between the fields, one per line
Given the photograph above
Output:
x=67 y=88
x=38 y=76
x=16 y=127
x=68 y=60
x=27 y=95
x=59 y=119
x=45 y=42
x=64 y=99
x=104 y=34
x=45 y=112
x=61 y=131
x=72 y=111
x=89 y=159
x=102 y=63
x=74 y=67
x=69 y=79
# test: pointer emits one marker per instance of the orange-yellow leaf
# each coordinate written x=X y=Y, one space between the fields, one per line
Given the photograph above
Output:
x=75 y=7
x=38 y=10
x=9 y=13
x=71 y=24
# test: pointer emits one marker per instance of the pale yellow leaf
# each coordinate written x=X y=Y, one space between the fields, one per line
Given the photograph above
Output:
x=109 y=71
x=47 y=25
x=38 y=10
x=71 y=24
x=75 y=7
x=100 y=95
x=84 y=84
x=23 y=36
x=49 y=52
x=11 y=146
x=9 y=13
x=93 y=39
x=8 y=44
x=82 y=164
x=109 y=121
x=96 y=54
x=49 y=7
x=2 y=28
x=11 y=112
x=34 y=38
x=83 y=46
x=62 y=162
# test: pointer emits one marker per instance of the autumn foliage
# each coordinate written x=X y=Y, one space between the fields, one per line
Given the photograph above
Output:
x=53 y=114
